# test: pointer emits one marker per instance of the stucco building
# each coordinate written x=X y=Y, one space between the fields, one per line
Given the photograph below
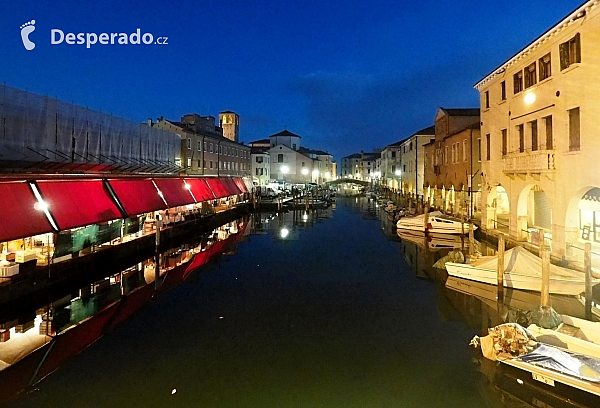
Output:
x=204 y=150
x=539 y=113
x=451 y=159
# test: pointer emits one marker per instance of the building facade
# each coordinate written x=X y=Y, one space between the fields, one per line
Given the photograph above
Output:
x=452 y=167
x=290 y=162
x=260 y=159
x=230 y=123
x=539 y=143
x=204 y=150
x=403 y=162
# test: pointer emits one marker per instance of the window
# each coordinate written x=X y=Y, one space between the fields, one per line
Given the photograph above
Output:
x=518 y=82
x=394 y=167
x=393 y=154
x=280 y=158
x=545 y=67
x=211 y=164
x=204 y=164
x=259 y=159
x=503 y=90
x=548 y=123
x=534 y=135
x=504 y=142
x=521 y=133
x=479 y=149
x=205 y=149
x=257 y=171
x=488 y=146
x=530 y=75
x=199 y=147
x=570 y=52
x=189 y=162
x=303 y=164
x=446 y=155
x=487 y=99
x=211 y=147
x=189 y=143
x=199 y=164
x=294 y=146
x=410 y=145
x=574 y=142
x=465 y=150
x=220 y=149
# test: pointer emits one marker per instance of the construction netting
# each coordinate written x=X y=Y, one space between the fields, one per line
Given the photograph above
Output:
x=40 y=130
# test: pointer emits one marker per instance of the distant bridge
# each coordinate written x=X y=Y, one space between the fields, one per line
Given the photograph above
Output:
x=349 y=181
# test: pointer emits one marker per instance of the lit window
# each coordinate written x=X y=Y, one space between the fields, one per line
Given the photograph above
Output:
x=570 y=52
x=545 y=67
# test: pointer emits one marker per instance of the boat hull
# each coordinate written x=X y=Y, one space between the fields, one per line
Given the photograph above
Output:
x=562 y=286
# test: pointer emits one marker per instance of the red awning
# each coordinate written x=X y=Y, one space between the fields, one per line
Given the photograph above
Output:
x=200 y=189
x=217 y=187
x=231 y=187
x=174 y=191
x=75 y=203
x=137 y=196
x=20 y=218
x=241 y=185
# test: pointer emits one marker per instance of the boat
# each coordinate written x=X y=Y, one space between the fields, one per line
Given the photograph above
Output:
x=577 y=335
x=432 y=241
x=514 y=298
x=523 y=270
x=436 y=223
x=556 y=369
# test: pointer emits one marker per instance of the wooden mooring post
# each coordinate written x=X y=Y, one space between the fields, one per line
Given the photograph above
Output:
x=587 y=267
x=425 y=218
x=471 y=240
x=545 y=255
x=500 y=267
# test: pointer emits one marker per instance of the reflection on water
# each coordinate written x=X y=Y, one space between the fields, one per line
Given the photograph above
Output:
x=330 y=308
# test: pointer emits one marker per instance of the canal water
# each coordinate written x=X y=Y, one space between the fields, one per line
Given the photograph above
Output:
x=330 y=309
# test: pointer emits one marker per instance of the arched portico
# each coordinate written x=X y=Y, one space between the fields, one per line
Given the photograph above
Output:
x=498 y=209
x=534 y=214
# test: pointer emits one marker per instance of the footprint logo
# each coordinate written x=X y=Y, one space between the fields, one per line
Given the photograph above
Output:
x=27 y=29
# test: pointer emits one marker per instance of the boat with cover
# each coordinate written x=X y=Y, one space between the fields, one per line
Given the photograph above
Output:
x=517 y=347
x=437 y=222
x=522 y=270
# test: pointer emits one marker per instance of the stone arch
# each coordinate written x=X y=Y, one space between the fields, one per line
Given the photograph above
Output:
x=534 y=212
x=498 y=208
x=583 y=209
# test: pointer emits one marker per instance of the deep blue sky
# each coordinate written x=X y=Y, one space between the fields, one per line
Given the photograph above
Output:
x=345 y=75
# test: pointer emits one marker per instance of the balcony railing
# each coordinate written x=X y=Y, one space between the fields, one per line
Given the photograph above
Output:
x=538 y=161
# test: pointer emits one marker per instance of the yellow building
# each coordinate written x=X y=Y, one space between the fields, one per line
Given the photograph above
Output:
x=539 y=113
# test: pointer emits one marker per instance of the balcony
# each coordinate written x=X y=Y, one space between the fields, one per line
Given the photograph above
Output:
x=437 y=170
x=539 y=161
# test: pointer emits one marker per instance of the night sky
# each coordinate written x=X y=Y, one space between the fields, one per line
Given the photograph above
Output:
x=345 y=76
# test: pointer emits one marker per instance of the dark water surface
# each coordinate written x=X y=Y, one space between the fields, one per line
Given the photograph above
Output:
x=329 y=316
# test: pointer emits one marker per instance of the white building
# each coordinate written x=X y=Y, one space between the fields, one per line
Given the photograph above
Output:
x=539 y=114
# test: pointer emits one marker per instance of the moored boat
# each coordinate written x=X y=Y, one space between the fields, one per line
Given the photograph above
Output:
x=523 y=270
x=553 y=367
x=436 y=223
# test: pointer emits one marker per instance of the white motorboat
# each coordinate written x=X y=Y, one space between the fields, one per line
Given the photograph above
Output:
x=523 y=270
x=432 y=241
x=577 y=335
x=436 y=223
